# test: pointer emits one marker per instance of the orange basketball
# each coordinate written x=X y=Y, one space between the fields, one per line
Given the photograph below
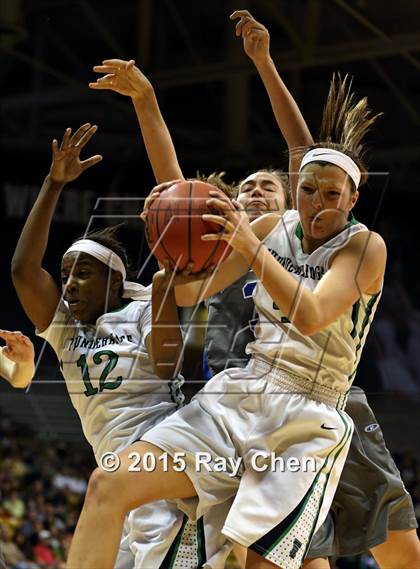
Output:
x=174 y=227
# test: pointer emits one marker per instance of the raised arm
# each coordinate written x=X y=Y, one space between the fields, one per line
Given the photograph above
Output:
x=17 y=364
x=37 y=290
x=256 y=42
x=125 y=78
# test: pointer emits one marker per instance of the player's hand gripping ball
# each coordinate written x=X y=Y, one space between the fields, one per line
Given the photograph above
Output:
x=174 y=227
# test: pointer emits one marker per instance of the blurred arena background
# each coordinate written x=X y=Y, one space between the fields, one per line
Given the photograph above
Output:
x=220 y=118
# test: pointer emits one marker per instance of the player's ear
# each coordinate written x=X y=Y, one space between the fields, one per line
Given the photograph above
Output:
x=116 y=281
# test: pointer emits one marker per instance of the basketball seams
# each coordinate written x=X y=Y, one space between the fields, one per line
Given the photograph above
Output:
x=160 y=240
x=189 y=234
x=174 y=229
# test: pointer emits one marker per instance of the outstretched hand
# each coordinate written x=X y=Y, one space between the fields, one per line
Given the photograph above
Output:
x=255 y=36
x=122 y=77
x=66 y=165
x=18 y=347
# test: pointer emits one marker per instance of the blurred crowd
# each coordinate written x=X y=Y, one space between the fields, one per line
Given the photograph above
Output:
x=42 y=486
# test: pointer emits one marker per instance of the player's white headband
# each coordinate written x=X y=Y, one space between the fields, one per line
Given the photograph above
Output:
x=114 y=261
x=333 y=157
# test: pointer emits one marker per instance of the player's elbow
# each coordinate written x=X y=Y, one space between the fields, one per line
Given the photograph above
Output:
x=20 y=270
x=17 y=268
x=308 y=322
x=306 y=328
x=22 y=384
x=21 y=381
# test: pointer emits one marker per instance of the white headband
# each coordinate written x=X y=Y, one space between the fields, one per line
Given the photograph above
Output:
x=333 y=157
x=112 y=260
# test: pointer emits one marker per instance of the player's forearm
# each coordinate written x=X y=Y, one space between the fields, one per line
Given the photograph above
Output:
x=157 y=139
x=166 y=337
x=288 y=116
x=33 y=240
x=228 y=272
x=17 y=374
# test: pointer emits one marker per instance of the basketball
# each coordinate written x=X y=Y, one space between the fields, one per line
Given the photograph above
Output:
x=174 y=227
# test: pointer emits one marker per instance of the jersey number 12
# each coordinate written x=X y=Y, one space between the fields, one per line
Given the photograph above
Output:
x=103 y=383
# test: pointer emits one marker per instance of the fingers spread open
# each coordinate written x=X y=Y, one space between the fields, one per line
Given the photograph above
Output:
x=86 y=135
x=80 y=133
x=91 y=161
x=66 y=138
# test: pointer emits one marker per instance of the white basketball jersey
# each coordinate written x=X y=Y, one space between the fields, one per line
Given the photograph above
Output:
x=329 y=357
x=109 y=375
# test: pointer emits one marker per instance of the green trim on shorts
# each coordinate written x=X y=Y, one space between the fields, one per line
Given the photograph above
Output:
x=309 y=493
x=173 y=550
x=201 y=543
x=171 y=556
x=325 y=487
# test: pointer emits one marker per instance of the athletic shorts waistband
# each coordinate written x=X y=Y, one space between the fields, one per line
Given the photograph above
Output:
x=291 y=383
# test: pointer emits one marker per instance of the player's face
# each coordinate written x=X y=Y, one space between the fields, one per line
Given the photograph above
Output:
x=87 y=287
x=260 y=193
x=324 y=200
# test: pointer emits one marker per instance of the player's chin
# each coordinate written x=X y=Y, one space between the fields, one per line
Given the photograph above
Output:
x=255 y=212
x=80 y=312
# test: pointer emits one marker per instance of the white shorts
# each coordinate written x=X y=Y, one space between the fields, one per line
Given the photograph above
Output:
x=273 y=445
x=158 y=536
x=148 y=534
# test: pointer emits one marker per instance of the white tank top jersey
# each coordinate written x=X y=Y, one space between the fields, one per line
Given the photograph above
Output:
x=329 y=357
x=109 y=375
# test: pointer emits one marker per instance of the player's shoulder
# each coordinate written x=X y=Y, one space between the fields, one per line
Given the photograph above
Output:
x=366 y=248
x=370 y=242
x=265 y=224
x=138 y=306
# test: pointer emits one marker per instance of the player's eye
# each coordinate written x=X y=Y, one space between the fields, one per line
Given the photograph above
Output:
x=64 y=279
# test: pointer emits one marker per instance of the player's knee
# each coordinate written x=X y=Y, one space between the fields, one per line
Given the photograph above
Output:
x=402 y=561
x=102 y=490
x=400 y=551
x=316 y=563
x=410 y=559
x=255 y=561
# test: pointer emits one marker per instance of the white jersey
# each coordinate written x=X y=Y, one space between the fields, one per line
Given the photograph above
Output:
x=109 y=375
x=329 y=357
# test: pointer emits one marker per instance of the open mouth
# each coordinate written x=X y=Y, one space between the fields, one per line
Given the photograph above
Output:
x=75 y=304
